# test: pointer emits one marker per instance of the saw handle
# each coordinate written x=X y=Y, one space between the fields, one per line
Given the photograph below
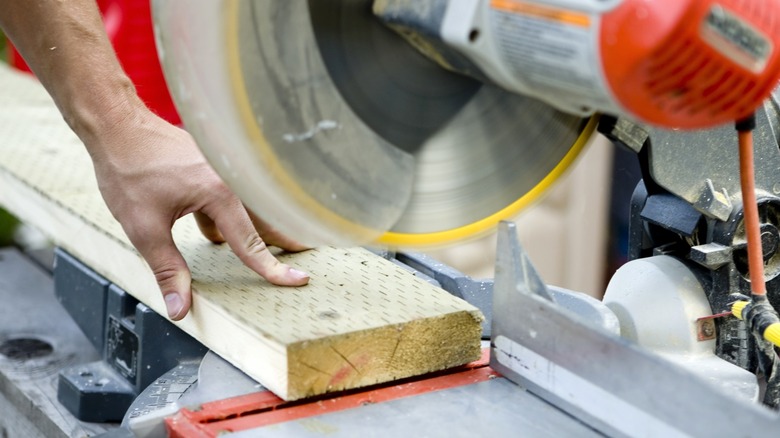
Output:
x=705 y=62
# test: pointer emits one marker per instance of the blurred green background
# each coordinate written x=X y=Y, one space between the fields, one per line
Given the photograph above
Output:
x=7 y=222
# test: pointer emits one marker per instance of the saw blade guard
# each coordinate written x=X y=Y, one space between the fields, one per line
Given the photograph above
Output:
x=336 y=131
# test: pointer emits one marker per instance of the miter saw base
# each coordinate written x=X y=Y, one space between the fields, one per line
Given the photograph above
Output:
x=558 y=340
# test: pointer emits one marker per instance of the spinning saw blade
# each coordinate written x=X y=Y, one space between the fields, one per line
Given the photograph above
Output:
x=337 y=131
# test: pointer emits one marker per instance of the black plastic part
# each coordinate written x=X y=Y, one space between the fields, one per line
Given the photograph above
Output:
x=746 y=124
x=142 y=345
x=652 y=187
x=628 y=135
x=93 y=393
x=137 y=345
x=82 y=293
x=671 y=213
x=638 y=242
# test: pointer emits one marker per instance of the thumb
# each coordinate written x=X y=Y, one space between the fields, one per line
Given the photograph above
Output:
x=169 y=268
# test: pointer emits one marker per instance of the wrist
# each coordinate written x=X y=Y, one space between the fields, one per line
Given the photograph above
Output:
x=96 y=115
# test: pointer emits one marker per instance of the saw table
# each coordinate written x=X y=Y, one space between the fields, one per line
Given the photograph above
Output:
x=473 y=398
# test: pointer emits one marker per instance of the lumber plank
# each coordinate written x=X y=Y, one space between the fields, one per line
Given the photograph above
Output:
x=361 y=320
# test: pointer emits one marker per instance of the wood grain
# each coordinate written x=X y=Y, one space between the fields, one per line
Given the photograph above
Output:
x=360 y=321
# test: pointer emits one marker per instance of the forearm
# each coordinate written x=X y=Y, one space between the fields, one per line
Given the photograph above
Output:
x=64 y=43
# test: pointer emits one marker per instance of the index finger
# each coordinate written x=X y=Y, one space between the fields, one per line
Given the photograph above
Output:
x=234 y=223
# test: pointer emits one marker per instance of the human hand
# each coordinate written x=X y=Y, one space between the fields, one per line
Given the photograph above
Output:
x=150 y=174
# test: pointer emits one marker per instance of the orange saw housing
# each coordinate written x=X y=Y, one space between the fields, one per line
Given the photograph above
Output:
x=691 y=63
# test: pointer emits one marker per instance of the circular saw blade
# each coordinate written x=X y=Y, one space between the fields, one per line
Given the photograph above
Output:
x=336 y=131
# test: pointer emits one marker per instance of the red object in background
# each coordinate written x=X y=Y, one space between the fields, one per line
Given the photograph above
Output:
x=129 y=27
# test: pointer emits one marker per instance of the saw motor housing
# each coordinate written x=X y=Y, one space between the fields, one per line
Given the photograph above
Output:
x=673 y=63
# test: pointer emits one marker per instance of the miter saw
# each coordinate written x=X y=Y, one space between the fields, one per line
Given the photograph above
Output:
x=420 y=123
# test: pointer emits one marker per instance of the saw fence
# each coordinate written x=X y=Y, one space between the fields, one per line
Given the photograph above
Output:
x=360 y=321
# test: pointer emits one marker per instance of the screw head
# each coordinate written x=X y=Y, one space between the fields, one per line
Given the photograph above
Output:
x=707 y=330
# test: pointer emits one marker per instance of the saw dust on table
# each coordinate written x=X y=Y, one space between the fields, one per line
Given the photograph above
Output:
x=361 y=320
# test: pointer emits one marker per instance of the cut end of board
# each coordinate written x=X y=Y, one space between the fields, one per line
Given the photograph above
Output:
x=364 y=358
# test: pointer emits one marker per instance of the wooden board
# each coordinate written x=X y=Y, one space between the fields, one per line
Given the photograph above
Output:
x=360 y=321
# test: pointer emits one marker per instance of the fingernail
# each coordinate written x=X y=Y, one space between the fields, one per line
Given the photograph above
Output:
x=174 y=304
x=298 y=274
